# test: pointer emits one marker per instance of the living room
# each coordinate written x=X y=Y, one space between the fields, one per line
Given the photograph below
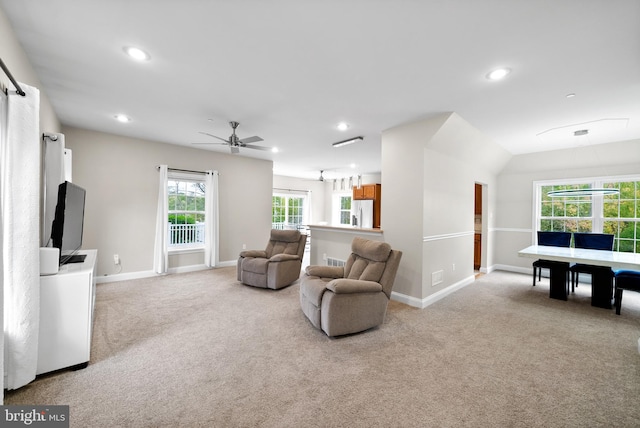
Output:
x=438 y=156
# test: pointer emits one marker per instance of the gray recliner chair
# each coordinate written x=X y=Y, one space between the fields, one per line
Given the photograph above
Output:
x=278 y=265
x=354 y=297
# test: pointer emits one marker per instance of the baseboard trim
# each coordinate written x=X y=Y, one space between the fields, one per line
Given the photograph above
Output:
x=516 y=269
x=149 y=273
x=432 y=298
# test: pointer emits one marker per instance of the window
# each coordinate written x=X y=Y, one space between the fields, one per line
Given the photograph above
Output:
x=341 y=208
x=617 y=214
x=622 y=215
x=186 y=216
x=345 y=209
x=289 y=210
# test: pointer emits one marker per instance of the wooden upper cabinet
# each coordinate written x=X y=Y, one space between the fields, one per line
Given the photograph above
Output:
x=367 y=191
x=374 y=193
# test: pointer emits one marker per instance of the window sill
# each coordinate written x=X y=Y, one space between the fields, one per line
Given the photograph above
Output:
x=185 y=250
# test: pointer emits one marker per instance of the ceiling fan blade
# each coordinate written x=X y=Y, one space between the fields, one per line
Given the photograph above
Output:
x=266 y=149
x=215 y=136
x=250 y=140
x=208 y=144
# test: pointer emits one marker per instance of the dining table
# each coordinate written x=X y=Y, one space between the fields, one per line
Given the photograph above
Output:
x=601 y=280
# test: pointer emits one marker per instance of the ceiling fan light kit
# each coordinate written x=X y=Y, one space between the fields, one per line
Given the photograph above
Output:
x=349 y=141
x=582 y=192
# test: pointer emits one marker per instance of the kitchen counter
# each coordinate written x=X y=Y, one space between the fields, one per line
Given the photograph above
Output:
x=345 y=229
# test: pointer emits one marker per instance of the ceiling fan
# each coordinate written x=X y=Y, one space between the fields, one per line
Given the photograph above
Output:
x=320 y=178
x=236 y=143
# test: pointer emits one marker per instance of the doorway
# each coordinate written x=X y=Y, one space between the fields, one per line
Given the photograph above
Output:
x=477 y=228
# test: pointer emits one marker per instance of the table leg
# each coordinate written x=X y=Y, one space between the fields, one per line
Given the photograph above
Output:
x=602 y=287
x=558 y=281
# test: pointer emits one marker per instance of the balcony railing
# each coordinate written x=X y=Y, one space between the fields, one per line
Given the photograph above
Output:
x=299 y=227
x=186 y=234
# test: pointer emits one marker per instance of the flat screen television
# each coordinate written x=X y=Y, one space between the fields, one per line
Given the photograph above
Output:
x=68 y=222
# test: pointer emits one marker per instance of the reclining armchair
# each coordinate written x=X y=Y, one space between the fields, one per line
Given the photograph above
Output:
x=278 y=265
x=354 y=297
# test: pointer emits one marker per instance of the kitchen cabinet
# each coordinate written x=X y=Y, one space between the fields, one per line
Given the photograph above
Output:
x=367 y=191
x=476 y=251
x=370 y=192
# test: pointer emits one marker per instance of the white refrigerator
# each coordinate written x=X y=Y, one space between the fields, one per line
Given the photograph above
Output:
x=362 y=213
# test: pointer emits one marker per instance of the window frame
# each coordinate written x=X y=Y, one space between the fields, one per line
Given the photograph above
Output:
x=180 y=176
x=304 y=216
x=336 y=206
x=597 y=215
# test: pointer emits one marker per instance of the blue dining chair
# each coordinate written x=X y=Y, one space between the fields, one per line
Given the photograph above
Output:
x=625 y=280
x=590 y=241
x=553 y=239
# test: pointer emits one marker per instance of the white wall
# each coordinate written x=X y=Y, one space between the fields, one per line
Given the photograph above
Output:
x=121 y=180
x=514 y=207
x=429 y=169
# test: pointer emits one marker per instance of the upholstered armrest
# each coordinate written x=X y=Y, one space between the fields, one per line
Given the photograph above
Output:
x=254 y=253
x=284 y=257
x=350 y=286
x=325 y=271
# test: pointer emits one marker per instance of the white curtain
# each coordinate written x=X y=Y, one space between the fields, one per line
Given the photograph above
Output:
x=20 y=219
x=211 y=220
x=160 y=253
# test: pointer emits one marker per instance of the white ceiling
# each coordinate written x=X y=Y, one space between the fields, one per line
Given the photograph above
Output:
x=289 y=71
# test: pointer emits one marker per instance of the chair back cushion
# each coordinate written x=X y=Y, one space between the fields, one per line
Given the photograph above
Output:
x=283 y=242
x=593 y=241
x=367 y=260
x=554 y=239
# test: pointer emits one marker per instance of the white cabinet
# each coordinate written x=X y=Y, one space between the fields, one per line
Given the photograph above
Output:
x=66 y=315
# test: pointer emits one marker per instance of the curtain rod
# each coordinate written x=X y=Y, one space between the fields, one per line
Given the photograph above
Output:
x=183 y=170
x=292 y=190
x=10 y=76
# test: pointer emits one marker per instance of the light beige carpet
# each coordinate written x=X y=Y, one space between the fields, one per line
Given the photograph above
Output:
x=200 y=349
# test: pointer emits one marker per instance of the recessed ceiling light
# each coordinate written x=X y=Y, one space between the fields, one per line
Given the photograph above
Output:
x=571 y=95
x=274 y=150
x=137 y=53
x=343 y=126
x=498 y=74
x=122 y=118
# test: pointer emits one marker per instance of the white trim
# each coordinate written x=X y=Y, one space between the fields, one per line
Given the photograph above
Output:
x=560 y=181
x=432 y=298
x=407 y=300
x=447 y=236
x=512 y=229
x=186 y=250
x=125 y=276
x=150 y=273
x=516 y=269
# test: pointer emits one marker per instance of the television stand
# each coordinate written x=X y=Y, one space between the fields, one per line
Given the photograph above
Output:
x=66 y=315
x=76 y=258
